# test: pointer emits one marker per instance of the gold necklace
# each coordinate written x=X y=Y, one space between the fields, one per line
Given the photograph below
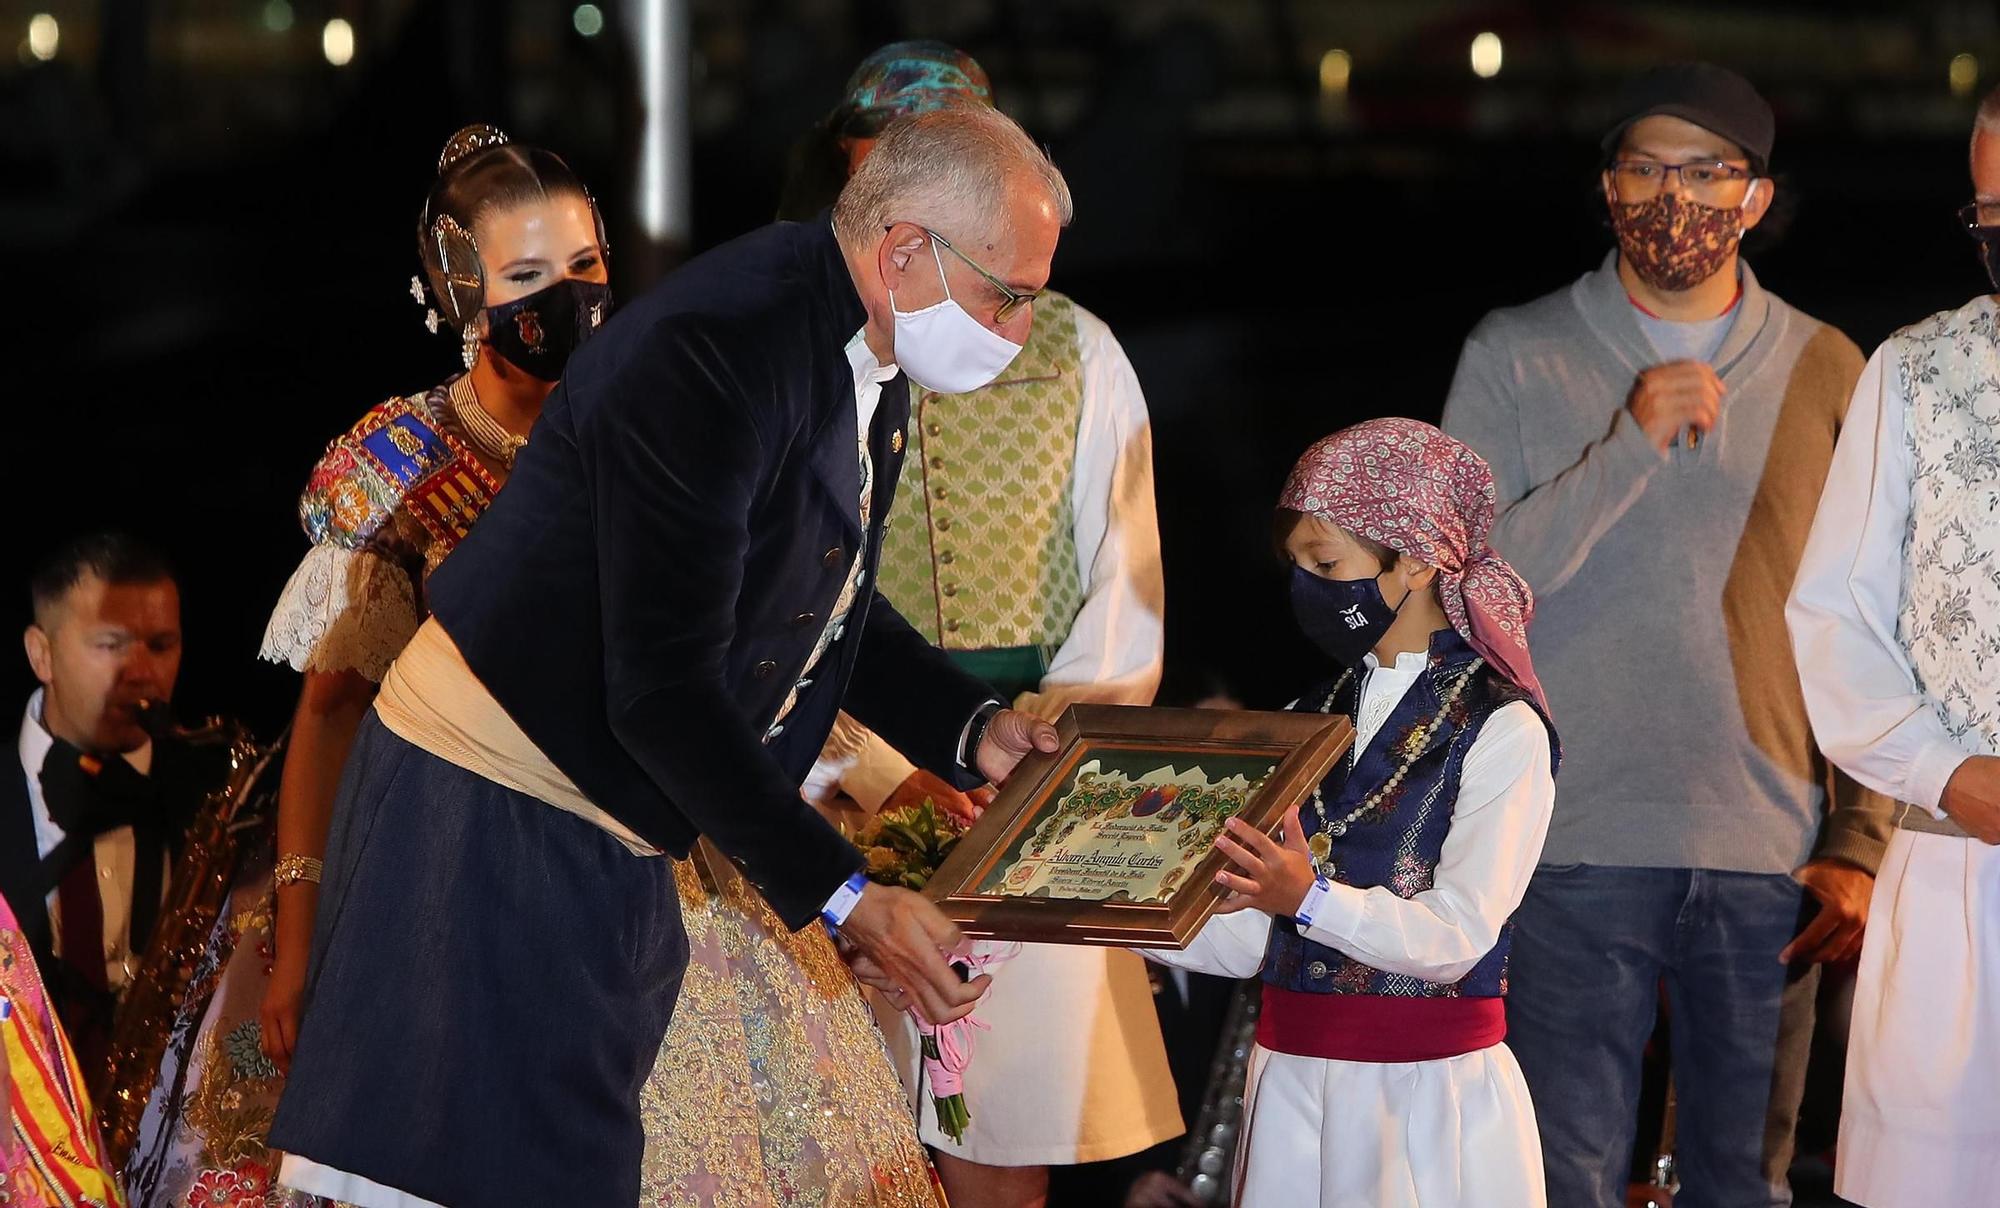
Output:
x=480 y=426
x=1320 y=845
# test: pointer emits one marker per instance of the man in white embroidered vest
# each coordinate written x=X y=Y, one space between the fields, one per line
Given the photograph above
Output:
x=1026 y=546
x=1658 y=433
x=1896 y=623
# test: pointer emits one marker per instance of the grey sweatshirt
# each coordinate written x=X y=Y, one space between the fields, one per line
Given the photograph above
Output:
x=1661 y=579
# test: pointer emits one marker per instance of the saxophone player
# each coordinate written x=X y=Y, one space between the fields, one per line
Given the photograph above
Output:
x=94 y=813
x=110 y=827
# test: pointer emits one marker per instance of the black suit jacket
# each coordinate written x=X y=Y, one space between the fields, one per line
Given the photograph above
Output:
x=645 y=592
x=20 y=861
x=183 y=777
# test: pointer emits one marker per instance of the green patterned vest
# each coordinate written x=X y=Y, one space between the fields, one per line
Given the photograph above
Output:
x=981 y=553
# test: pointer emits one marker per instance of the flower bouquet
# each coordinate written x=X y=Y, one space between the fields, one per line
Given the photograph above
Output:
x=905 y=848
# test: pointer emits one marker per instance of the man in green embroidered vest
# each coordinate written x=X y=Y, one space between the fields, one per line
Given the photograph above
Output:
x=1024 y=542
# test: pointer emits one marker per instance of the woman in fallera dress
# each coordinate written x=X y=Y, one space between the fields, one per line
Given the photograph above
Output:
x=772 y=1087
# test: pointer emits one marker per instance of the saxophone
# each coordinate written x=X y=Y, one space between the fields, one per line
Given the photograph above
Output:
x=1209 y=1156
x=196 y=892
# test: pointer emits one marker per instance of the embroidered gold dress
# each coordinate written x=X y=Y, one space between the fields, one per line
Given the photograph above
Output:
x=201 y=1141
x=772 y=1088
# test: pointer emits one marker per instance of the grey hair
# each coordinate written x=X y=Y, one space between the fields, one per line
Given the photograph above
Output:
x=947 y=168
x=1988 y=121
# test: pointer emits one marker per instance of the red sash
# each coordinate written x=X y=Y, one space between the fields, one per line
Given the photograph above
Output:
x=1378 y=1027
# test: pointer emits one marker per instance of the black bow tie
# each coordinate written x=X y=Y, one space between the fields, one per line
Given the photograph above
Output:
x=88 y=795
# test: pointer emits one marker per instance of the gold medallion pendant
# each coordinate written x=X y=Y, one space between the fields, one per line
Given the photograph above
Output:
x=1321 y=847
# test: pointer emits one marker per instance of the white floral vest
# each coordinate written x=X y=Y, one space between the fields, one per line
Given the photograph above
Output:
x=1949 y=622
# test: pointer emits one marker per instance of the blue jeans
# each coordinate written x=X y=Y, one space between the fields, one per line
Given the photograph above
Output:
x=1591 y=945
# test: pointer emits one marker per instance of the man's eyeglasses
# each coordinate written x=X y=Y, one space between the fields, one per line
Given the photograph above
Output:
x=1012 y=300
x=1705 y=180
x=1981 y=219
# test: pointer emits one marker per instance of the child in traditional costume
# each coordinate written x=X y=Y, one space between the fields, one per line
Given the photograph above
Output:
x=1379 y=921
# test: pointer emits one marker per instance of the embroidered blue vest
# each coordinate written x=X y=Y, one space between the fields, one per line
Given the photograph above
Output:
x=1396 y=844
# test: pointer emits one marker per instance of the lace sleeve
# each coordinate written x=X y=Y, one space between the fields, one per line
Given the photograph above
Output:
x=342 y=610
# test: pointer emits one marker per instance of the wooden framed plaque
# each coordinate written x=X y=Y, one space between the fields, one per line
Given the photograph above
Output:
x=1111 y=840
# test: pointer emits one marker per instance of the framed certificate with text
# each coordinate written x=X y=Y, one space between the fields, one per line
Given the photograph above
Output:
x=1111 y=840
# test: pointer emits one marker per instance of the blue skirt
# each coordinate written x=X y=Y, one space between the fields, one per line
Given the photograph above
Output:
x=491 y=979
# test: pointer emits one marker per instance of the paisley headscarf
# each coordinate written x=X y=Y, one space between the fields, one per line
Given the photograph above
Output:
x=1408 y=486
x=904 y=78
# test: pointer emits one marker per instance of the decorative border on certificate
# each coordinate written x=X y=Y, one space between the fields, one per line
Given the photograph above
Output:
x=1111 y=839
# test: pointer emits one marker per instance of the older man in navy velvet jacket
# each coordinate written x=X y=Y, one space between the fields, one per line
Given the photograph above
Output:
x=645 y=640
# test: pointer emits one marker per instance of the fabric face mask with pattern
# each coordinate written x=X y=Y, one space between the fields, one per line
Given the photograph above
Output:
x=1673 y=243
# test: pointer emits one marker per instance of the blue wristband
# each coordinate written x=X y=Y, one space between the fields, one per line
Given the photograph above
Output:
x=841 y=904
x=1310 y=905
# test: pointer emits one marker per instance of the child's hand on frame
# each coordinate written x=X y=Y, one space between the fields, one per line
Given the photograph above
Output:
x=1271 y=876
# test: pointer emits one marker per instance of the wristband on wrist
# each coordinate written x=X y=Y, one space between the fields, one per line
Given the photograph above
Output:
x=1310 y=906
x=975 y=733
x=841 y=904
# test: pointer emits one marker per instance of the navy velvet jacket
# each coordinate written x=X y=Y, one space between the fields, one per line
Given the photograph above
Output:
x=647 y=589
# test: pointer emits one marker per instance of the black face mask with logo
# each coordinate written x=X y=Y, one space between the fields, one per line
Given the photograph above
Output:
x=1988 y=241
x=537 y=333
x=1344 y=617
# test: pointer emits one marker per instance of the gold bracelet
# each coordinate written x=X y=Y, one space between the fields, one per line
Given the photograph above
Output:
x=293 y=868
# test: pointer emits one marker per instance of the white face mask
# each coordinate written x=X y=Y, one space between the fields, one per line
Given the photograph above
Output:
x=946 y=350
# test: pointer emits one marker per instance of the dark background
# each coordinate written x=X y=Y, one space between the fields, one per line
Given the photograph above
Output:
x=208 y=229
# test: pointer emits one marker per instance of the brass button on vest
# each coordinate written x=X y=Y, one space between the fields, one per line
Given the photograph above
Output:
x=832 y=558
x=764 y=669
x=1316 y=970
x=804 y=619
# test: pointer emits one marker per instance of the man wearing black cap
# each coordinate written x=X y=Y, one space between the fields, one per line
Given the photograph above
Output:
x=1659 y=432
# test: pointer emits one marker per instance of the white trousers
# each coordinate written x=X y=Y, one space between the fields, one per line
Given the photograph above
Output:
x=1920 y=1124
x=1454 y=1133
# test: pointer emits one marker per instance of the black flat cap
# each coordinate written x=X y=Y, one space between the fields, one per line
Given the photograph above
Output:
x=1714 y=98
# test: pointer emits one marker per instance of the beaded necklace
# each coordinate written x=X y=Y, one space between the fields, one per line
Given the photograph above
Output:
x=1321 y=843
x=485 y=431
